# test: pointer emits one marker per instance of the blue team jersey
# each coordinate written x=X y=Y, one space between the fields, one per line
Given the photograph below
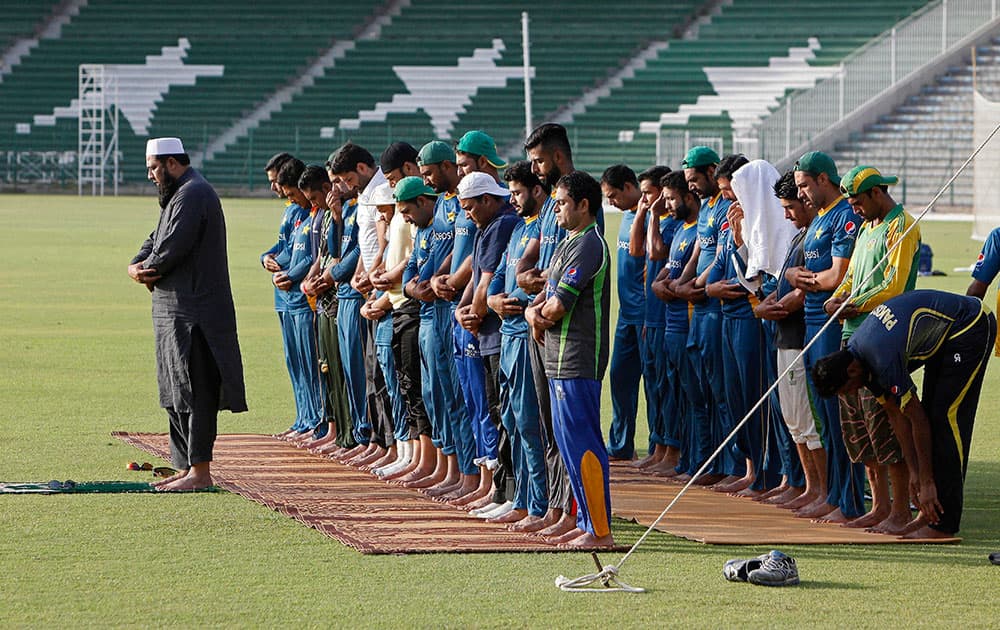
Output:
x=350 y=252
x=299 y=262
x=681 y=246
x=420 y=258
x=505 y=279
x=281 y=250
x=988 y=263
x=549 y=233
x=446 y=212
x=710 y=219
x=830 y=235
x=656 y=309
x=724 y=268
x=465 y=239
x=631 y=276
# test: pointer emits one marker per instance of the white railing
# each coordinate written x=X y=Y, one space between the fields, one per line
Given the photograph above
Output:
x=870 y=71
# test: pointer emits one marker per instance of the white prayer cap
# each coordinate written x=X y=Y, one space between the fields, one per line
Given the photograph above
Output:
x=164 y=146
x=383 y=196
x=480 y=183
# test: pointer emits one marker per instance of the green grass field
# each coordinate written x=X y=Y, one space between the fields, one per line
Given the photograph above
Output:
x=76 y=362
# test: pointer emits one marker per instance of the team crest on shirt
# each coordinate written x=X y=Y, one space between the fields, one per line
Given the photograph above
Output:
x=817 y=233
x=683 y=245
x=451 y=217
x=711 y=221
x=524 y=240
x=849 y=227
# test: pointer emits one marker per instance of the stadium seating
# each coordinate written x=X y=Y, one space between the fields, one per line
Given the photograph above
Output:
x=266 y=47
x=746 y=33
x=567 y=56
x=260 y=48
x=927 y=138
x=21 y=18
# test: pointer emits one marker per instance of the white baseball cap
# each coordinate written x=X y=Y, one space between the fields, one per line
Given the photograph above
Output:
x=164 y=146
x=382 y=196
x=480 y=183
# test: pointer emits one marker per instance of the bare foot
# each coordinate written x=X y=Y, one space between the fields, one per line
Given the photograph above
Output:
x=815 y=509
x=172 y=478
x=447 y=486
x=709 y=480
x=835 y=516
x=868 y=520
x=775 y=491
x=566 y=523
x=510 y=517
x=348 y=454
x=188 y=483
x=589 y=541
x=569 y=536
x=926 y=531
x=423 y=482
x=791 y=493
x=747 y=493
x=527 y=524
x=648 y=460
x=663 y=468
x=803 y=500
x=894 y=525
x=730 y=486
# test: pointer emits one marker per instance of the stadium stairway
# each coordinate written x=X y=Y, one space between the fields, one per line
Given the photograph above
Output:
x=744 y=34
x=22 y=19
x=928 y=137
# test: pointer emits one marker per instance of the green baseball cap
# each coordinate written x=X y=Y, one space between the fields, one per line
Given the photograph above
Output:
x=480 y=143
x=816 y=162
x=862 y=178
x=700 y=156
x=435 y=152
x=412 y=187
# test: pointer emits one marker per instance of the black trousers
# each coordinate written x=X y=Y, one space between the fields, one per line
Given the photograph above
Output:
x=192 y=433
x=406 y=354
x=953 y=379
x=379 y=407
x=504 y=481
x=560 y=493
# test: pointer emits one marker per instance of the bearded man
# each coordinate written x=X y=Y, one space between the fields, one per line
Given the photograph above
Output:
x=184 y=265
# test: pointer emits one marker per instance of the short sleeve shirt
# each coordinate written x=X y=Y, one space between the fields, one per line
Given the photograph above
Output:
x=577 y=346
x=631 y=276
x=656 y=309
x=830 y=235
x=491 y=242
x=681 y=248
x=905 y=332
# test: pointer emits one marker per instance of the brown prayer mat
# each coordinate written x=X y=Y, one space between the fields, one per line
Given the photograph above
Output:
x=710 y=517
x=344 y=503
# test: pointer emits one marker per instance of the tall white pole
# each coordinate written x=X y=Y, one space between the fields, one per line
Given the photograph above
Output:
x=526 y=53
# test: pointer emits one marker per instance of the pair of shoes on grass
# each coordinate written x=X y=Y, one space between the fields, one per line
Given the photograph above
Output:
x=771 y=569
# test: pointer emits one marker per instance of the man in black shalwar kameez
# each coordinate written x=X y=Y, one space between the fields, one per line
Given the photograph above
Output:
x=183 y=263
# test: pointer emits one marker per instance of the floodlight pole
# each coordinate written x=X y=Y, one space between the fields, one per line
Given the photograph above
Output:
x=526 y=54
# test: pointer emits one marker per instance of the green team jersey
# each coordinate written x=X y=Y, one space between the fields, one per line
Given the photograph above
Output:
x=892 y=277
x=577 y=346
